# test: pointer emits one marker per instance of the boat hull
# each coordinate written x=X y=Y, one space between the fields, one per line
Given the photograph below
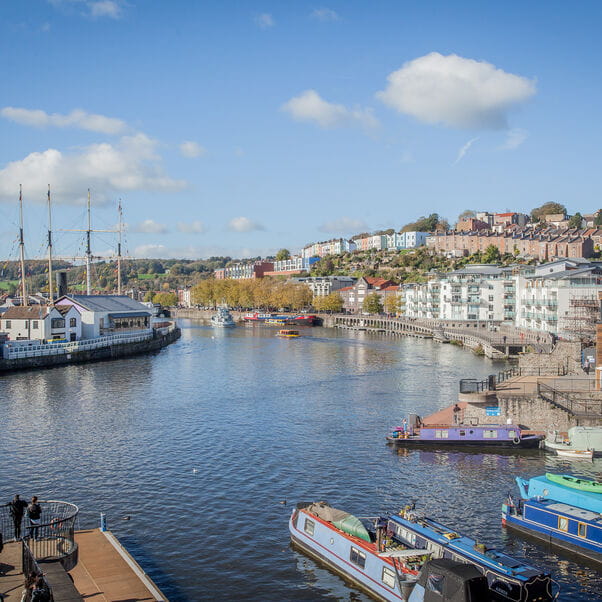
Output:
x=526 y=443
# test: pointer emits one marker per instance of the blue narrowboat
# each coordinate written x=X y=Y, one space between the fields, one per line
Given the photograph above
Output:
x=509 y=579
x=557 y=514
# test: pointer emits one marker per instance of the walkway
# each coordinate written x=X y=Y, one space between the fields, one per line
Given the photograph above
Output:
x=11 y=577
x=106 y=572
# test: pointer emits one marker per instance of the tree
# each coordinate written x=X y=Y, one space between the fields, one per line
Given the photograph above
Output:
x=598 y=218
x=148 y=296
x=491 y=255
x=392 y=304
x=283 y=254
x=426 y=224
x=466 y=214
x=165 y=299
x=332 y=303
x=548 y=208
x=372 y=304
x=576 y=220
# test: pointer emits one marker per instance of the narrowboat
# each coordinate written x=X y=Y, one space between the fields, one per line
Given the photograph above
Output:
x=509 y=579
x=583 y=441
x=275 y=319
x=358 y=550
x=412 y=434
x=560 y=510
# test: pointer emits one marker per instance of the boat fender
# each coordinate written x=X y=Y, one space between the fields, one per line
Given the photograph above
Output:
x=516 y=440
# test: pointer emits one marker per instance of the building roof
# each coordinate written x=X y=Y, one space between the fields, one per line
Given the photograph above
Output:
x=63 y=309
x=25 y=313
x=109 y=303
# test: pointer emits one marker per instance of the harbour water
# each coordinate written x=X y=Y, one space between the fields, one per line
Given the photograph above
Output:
x=191 y=451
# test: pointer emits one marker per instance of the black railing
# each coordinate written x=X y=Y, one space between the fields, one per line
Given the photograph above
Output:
x=573 y=405
x=50 y=540
x=471 y=385
x=31 y=570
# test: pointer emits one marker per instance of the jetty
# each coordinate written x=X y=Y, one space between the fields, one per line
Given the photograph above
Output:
x=75 y=565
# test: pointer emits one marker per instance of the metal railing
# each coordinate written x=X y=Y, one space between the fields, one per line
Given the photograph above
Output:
x=573 y=405
x=31 y=569
x=52 y=539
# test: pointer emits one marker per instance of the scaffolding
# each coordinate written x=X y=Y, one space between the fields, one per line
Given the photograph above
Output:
x=579 y=322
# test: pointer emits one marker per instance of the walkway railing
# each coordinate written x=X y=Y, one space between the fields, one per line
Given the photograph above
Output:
x=575 y=406
x=53 y=539
x=31 y=569
x=471 y=385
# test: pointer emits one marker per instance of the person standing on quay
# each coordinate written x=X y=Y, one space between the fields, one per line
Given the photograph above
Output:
x=17 y=509
x=34 y=513
x=456 y=414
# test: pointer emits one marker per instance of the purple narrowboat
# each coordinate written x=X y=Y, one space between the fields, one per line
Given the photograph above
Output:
x=414 y=434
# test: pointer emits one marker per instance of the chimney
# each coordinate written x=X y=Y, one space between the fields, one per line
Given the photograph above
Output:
x=61 y=282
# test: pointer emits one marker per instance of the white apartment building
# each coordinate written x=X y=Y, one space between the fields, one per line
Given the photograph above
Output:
x=406 y=240
x=330 y=247
x=322 y=286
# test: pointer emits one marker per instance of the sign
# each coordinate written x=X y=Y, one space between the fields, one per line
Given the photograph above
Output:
x=493 y=411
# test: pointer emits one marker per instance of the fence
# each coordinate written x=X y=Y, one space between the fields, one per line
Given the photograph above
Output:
x=53 y=539
x=580 y=407
x=471 y=385
x=31 y=569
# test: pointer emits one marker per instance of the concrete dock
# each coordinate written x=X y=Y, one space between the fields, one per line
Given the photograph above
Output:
x=105 y=572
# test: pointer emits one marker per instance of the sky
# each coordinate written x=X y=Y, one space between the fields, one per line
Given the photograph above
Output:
x=242 y=127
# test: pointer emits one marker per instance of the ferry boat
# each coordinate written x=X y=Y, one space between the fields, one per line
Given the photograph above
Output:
x=289 y=334
x=372 y=561
x=410 y=434
x=583 y=441
x=509 y=579
x=223 y=318
x=561 y=510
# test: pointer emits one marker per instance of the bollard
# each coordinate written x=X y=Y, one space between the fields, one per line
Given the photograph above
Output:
x=103 y=521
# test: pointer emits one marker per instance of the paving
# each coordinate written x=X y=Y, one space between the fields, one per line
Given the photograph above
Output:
x=11 y=577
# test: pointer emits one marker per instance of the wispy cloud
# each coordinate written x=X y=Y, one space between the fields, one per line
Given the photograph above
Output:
x=464 y=149
x=195 y=227
x=112 y=9
x=265 y=21
x=324 y=14
x=343 y=225
x=243 y=224
x=514 y=138
x=149 y=226
x=310 y=106
x=455 y=91
x=108 y=169
x=78 y=118
x=190 y=149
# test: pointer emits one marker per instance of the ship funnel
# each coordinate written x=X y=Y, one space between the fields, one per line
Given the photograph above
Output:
x=61 y=282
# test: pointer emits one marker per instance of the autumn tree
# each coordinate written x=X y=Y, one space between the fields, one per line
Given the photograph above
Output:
x=332 y=303
x=548 y=208
x=392 y=304
x=283 y=254
x=165 y=299
x=491 y=254
x=372 y=304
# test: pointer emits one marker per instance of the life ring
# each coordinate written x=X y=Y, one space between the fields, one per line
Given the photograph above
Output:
x=516 y=440
x=55 y=524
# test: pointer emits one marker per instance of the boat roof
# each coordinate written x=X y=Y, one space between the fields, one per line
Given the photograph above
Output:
x=544 y=488
x=573 y=510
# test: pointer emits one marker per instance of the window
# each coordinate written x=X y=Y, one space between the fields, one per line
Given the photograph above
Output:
x=357 y=557
x=441 y=434
x=309 y=526
x=72 y=322
x=462 y=433
x=7 y=324
x=490 y=434
x=581 y=530
x=563 y=523
x=388 y=577
x=34 y=324
x=57 y=323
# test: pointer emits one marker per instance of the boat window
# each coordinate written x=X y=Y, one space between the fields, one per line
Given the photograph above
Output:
x=582 y=530
x=489 y=434
x=462 y=433
x=512 y=434
x=357 y=557
x=563 y=523
x=388 y=577
x=309 y=526
x=439 y=434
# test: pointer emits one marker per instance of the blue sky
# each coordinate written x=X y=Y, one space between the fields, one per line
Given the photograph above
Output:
x=241 y=127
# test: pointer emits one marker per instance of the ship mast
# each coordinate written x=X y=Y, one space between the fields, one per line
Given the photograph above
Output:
x=22 y=249
x=50 y=292
x=119 y=250
x=88 y=252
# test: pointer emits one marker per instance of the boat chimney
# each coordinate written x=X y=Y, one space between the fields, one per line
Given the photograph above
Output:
x=61 y=282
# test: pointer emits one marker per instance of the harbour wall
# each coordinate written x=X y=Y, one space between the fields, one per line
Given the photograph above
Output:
x=115 y=351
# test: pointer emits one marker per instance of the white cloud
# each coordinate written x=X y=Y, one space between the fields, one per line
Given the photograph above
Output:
x=464 y=149
x=310 y=106
x=93 y=8
x=191 y=149
x=107 y=169
x=243 y=224
x=343 y=225
x=77 y=118
x=265 y=21
x=324 y=14
x=150 y=226
x=195 y=227
x=514 y=139
x=455 y=91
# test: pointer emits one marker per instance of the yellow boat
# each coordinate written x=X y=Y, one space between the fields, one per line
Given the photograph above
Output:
x=288 y=333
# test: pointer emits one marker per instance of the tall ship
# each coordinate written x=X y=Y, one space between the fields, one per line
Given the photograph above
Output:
x=562 y=510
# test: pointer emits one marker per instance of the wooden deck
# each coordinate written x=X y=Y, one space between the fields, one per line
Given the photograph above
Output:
x=105 y=572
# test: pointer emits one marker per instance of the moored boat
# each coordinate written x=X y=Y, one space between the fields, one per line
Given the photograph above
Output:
x=366 y=556
x=223 y=318
x=578 y=454
x=276 y=319
x=578 y=438
x=412 y=434
x=575 y=482
x=551 y=509
x=509 y=579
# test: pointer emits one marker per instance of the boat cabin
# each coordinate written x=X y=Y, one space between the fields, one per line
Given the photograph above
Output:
x=287 y=333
